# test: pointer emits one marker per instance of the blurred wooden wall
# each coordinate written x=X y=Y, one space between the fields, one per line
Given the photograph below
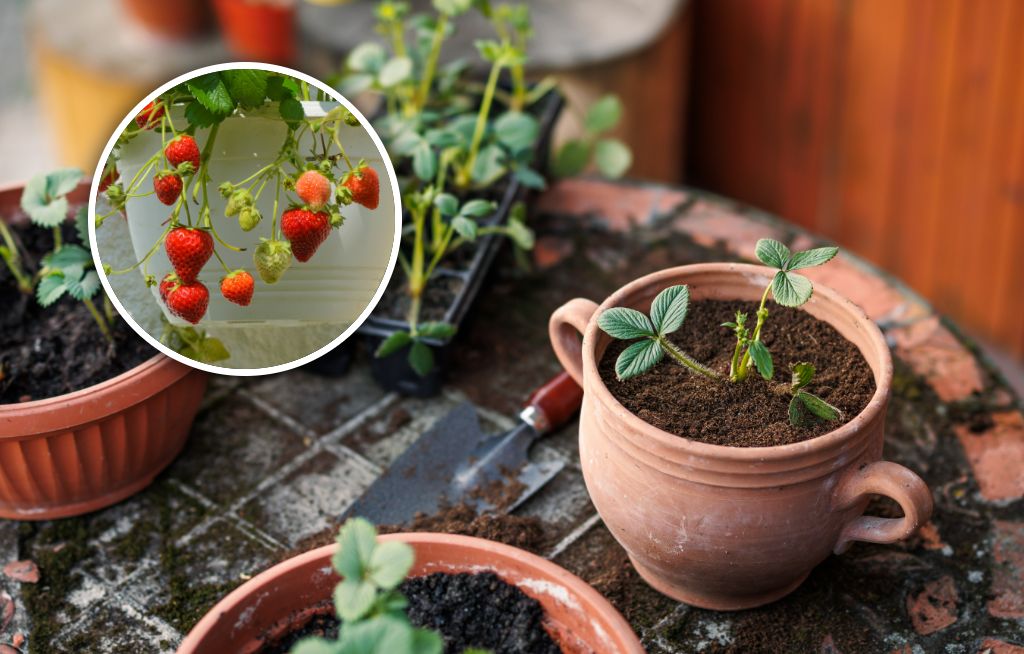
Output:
x=895 y=127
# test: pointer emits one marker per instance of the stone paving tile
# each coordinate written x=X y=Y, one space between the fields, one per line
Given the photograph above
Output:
x=310 y=498
x=563 y=503
x=232 y=448
x=318 y=403
x=135 y=631
x=935 y=353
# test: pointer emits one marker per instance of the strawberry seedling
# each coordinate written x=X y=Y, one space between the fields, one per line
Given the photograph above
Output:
x=669 y=310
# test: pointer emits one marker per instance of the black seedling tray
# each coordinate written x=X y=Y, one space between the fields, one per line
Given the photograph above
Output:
x=393 y=372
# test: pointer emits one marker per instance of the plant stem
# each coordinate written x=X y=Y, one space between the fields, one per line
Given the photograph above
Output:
x=13 y=259
x=104 y=327
x=762 y=315
x=430 y=68
x=417 y=280
x=58 y=238
x=685 y=359
x=148 y=254
x=481 y=123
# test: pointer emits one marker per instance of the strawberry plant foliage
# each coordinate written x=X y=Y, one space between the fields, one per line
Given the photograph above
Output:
x=452 y=139
x=669 y=309
x=309 y=188
x=68 y=269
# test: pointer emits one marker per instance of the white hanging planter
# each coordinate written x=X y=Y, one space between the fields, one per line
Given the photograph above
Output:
x=335 y=286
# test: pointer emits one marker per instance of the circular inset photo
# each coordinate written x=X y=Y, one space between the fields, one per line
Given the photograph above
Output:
x=246 y=218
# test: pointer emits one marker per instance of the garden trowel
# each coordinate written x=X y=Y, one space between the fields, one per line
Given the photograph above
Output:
x=455 y=462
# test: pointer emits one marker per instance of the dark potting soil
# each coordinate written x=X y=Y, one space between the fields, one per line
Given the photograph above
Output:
x=437 y=297
x=52 y=351
x=468 y=610
x=752 y=413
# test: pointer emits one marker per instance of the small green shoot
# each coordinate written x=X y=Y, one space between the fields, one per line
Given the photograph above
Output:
x=611 y=156
x=788 y=288
x=803 y=402
x=668 y=311
x=421 y=354
x=366 y=601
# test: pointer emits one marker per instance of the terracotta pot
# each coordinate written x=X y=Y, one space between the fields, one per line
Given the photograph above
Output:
x=579 y=619
x=259 y=30
x=82 y=451
x=174 y=20
x=731 y=527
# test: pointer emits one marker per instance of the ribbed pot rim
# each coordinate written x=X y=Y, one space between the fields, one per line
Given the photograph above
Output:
x=642 y=434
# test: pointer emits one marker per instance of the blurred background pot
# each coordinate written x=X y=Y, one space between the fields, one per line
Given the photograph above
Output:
x=259 y=30
x=730 y=528
x=181 y=19
x=578 y=618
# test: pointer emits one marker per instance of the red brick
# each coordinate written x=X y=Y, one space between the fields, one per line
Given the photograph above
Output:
x=993 y=646
x=930 y=538
x=550 y=251
x=996 y=455
x=711 y=225
x=934 y=608
x=866 y=289
x=619 y=206
x=1008 y=571
x=935 y=353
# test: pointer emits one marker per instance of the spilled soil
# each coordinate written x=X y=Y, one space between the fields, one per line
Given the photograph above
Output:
x=53 y=351
x=754 y=412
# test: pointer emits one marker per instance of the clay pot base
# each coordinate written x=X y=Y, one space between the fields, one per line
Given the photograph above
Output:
x=714 y=602
x=92 y=504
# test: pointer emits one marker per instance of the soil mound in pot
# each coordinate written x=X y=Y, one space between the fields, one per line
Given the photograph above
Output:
x=751 y=413
x=46 y=352
x=468 y=610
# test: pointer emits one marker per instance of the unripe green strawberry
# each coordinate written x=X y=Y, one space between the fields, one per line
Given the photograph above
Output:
x=248 y=218
x=238 y=201
x=272 y=258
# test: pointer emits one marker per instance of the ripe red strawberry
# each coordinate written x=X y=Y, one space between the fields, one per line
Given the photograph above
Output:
x=189 y=301
x=150 y=115
x=167 y=285
x=305 y=230
x=167 y=186
x=314 y=189
x=237 y=287
x=188 y=250
x=365 y=186
x=181 y=149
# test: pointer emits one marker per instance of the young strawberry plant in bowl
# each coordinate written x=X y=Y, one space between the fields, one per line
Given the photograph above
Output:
x=78 y=390
x=467 y=150
x=747 y=407
x=412 y=593
x=253 y=202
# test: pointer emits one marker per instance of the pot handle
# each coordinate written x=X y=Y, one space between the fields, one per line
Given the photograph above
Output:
x=564 y=329
x=888 y=479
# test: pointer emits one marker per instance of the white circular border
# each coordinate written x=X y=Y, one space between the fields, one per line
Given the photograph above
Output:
x=312 y=356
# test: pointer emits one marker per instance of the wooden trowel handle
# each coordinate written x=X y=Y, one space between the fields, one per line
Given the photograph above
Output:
x=553 y=404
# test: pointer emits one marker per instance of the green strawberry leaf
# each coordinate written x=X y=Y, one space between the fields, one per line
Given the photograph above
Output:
x=315 y=645
x=613 y=158
x=810 y=258
x=762 y=359
x=356 y=542
x=354 y=598
x=43 y=198
x=791 y=289
x=530 y=178
x=82 y=224
x=478 y=208
x=638 y=358
x=84 y=288
x=516 y=130
x=571 y=158
x=802 y=374
x=796 y=412
x=392 y=344
x=394 y=72
x=603 y=114
x=772 y=253
x=818 y=406
x=520 y=234
x=421 y=358
x=436 y=329
x=465 y=227
x=49 y=289
x=424 y=160
x=211 y=92
x=447 y=204
x=292 y=112
x=247 y=86
x=389 y=564
x=199 y=116
x=668 y=311
x=489 y=164
x=624 y=323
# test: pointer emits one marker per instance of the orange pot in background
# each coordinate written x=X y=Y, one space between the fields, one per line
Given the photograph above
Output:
x=259 y=30
x=181 y=19
x=577 y=616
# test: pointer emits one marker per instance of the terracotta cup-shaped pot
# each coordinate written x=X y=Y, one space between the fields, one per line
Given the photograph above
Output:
x=733 y=527
x=82 y=451
x=277 y=600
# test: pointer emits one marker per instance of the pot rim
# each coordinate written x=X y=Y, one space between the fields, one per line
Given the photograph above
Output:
x=759 y=454
x=601 y=607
